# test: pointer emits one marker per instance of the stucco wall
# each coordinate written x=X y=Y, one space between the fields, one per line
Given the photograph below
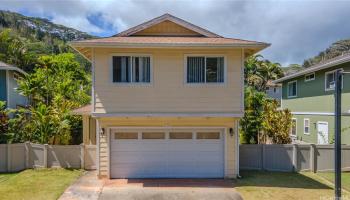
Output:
x=168 y=91
x=230 y=150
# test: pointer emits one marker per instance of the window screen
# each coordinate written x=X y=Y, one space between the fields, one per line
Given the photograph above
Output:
x=136 y=69
x=205 y=69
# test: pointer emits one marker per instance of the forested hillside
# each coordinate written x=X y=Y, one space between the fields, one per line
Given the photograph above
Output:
x=336 y=49
x=23 y=39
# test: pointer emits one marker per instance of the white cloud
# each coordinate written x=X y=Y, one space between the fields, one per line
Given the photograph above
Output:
x=296 y=29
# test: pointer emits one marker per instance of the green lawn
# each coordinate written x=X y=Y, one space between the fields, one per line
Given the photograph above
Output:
x=39 y=184
x=345 y=178
x=257 y=185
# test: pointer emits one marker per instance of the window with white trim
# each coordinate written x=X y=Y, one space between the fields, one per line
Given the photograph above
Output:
x=203 y=69
x=293 y=129
x=292 y=89
x=131 y=69
x=309 y=77
x=330 y=80
x=306 y=126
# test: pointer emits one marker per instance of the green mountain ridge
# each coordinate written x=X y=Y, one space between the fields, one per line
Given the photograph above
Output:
x=24 y=39
x=39 y=28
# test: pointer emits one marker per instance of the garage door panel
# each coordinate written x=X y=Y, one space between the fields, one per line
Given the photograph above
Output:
x=167 y=158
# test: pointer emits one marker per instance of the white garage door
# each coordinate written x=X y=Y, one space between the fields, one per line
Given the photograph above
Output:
x=159 y=153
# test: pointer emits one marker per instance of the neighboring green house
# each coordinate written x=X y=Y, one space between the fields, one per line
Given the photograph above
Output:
x=309 y=95
x=8 y=85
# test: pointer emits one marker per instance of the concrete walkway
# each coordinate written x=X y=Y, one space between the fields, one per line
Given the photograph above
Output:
x=88 y=187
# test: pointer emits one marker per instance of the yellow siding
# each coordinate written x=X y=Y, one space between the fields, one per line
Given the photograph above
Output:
x=167 y=28
x=230 y=151
x=168 y=92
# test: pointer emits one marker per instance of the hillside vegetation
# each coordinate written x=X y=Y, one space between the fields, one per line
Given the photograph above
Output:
x=336 y=49
x=23 y=39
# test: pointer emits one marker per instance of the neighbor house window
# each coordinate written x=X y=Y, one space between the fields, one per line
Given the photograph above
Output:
x=330 y=80
x=131 y=69
x=309 y=77
x=202 y=69
x=292 y=89
x=306 y=126
x=293 y=129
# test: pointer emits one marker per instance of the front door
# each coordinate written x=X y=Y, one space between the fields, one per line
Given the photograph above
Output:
x=322 y=132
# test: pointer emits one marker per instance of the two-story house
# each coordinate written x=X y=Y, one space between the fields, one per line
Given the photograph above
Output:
x=8 y=86
x=167 y=97
x=309 y=94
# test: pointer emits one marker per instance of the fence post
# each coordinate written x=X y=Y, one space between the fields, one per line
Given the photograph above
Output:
x=295 y=157
x=27 y=156
x=45 y=155
x=82 y=156
x=8 y=149
x=263 y=157
x=313 y=165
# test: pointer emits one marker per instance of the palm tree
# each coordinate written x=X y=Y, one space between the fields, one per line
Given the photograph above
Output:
x=259 y=71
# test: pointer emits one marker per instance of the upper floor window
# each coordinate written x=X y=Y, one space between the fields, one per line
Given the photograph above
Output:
x=203 y=69
x=306 y=126
x=131 y=69
x=292 y=89
x=330 y=80
x=309 y=77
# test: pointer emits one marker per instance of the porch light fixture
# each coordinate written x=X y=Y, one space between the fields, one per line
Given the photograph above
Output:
x=102 y=131
x=231 y=132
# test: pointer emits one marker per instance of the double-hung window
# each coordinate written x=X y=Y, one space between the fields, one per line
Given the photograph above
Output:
x=292 y=89
x=330 y=80
x=131 y=69
x=306 y=126
x=205 y=69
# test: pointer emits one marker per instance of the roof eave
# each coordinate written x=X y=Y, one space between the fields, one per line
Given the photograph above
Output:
x=314 y=69
x=117 y=44
x=14 y=69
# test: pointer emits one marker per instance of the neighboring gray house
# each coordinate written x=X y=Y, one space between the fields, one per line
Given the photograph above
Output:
x=274 y=91
x=8 y=84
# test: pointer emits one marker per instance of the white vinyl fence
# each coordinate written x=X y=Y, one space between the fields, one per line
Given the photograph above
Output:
x=16 y=157
x=291 y=157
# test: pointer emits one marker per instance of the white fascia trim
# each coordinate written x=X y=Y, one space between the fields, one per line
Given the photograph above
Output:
x=167 y=114
x=14 y=69
x=157 y=45
x=317 y=113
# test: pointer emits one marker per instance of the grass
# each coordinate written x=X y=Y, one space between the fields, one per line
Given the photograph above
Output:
x=257 y=185
x=345 y=179
x=39 y=184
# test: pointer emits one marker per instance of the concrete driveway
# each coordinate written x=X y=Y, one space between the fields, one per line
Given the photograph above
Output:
x=89 y=187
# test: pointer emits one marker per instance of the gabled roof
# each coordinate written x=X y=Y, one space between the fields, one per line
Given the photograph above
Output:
x=167 y=17
x=5 y=66
x=320 y=66
x=132 y=38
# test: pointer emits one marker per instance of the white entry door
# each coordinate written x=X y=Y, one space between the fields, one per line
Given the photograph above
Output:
x=161 y=153
x=322 y=132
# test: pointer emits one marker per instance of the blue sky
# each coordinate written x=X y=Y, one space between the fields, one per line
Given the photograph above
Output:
x=296 y=29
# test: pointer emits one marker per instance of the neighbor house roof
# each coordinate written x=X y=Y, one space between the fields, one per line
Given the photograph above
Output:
x=5 y=66
x=323 y=65
x=129 y=39
x=84 y=110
